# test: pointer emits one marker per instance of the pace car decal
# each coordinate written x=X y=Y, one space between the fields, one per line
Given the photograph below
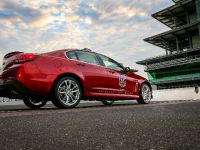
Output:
x=115 y=92
x=122 y=80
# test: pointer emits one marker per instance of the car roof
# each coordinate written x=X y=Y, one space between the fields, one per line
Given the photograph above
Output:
x=64 y=50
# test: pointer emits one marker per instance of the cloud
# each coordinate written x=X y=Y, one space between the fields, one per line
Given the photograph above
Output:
x=31 y=16
x=1 y=60
x=114 y=28
x=130 y=12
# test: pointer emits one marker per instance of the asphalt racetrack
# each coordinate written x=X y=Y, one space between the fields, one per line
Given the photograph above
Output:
x=171 y=125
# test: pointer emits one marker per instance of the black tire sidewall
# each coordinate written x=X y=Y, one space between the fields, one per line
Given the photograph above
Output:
x=141 y=100
x=106 y=103
x=31 y=105
x=56 y=100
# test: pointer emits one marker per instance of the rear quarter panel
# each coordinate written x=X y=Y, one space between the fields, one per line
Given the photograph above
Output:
x=49 y=68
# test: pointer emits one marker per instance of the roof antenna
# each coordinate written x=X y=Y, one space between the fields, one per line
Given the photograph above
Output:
x=87 y=49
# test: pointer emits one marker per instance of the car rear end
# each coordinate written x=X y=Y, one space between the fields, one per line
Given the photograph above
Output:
x=12 y=74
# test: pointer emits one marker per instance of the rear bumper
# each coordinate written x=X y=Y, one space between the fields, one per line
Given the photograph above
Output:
x=12 y=88
x=2 y=89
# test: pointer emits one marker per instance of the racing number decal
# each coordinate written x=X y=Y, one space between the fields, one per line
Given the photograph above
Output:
x=122 y=80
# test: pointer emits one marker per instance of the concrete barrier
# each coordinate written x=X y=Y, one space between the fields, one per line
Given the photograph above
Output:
x=175 y=94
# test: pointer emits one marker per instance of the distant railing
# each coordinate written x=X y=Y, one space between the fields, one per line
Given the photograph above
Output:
x=170 y=56
x=174 y=62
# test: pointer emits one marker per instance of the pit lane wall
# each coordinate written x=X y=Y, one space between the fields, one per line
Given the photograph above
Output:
x=174 y=73
x=158 y=95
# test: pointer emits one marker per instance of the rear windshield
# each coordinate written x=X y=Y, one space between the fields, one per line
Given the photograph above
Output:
x=55 y=53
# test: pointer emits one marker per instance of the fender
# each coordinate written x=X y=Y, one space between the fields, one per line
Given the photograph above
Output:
x=66 y=71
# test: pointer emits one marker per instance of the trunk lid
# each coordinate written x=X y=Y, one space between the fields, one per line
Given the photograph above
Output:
x=8 y=60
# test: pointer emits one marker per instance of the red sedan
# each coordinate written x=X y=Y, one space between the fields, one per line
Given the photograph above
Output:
x=67 y=76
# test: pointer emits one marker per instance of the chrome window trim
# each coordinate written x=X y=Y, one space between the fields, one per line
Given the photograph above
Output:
x=91 y=63
x=80 y=60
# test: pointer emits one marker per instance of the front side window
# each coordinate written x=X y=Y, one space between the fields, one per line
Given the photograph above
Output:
x=109 y=63
x=87 y=57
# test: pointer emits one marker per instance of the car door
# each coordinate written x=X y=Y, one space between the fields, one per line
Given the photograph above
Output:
x=95 y=76
x=120 y=82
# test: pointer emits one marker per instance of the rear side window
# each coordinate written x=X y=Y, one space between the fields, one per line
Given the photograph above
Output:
x=87 y=57
x=72 y=55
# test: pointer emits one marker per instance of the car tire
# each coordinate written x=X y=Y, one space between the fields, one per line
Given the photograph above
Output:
x=67 y=93
x=33 y=103
x=145 y=94
x=107 y=102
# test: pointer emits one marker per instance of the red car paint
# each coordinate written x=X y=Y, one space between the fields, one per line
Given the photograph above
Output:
x=37 y=73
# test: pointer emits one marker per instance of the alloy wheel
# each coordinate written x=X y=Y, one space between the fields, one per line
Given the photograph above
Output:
x=68 y=92
x=146 y=93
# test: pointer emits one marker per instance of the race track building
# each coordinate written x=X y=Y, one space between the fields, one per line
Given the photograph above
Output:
x=180 y=66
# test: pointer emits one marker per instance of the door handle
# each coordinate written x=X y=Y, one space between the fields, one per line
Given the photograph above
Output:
x=112 y=71
x=79 y=64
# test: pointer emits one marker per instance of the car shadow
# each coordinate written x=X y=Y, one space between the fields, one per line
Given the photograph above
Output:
x=18 y=108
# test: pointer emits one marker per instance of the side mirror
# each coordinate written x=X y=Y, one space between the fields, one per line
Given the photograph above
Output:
x=128 y=69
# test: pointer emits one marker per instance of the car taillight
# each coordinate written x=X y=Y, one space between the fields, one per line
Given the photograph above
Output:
x=21 y=58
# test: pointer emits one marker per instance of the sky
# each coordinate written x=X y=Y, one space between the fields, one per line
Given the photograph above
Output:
x=115 y=28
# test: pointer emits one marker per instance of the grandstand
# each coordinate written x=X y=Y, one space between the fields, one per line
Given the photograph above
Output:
x=180 y=66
